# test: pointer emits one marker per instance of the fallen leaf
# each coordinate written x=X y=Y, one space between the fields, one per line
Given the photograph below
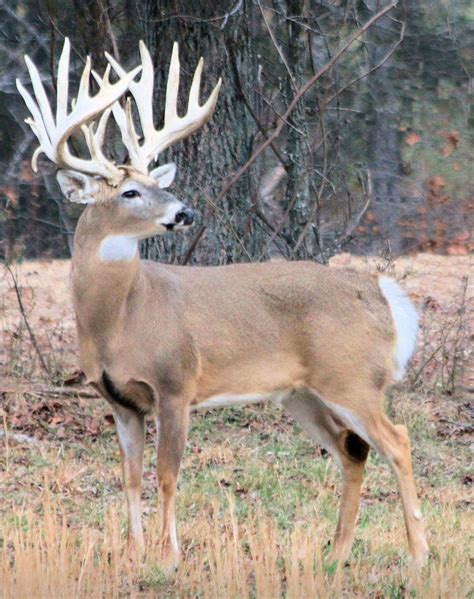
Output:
x=436 y=183
x=412 y=139
x=11 y=196
x=76 y=378
x=457 y=250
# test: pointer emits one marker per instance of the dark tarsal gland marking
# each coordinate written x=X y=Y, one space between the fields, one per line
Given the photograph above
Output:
x=356 y=448
x=115 y=395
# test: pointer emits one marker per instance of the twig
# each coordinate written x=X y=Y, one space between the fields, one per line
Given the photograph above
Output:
x=64 y=392
x=425 y=364
x=249 y=107
x=457 y=335
x=277 y=47
x=30 y=330
x=232 y=12
x=194 y=242
x=110 y=33
x=377 y=66
x=355 y=222
x=52 y=43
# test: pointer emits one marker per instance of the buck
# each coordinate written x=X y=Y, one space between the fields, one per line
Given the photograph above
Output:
x=164 y=340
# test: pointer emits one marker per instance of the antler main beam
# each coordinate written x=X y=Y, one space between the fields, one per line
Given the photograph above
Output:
x=175 y=127
x=53 y=134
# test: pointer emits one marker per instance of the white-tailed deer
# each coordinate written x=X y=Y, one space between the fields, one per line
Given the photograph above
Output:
x=164 y=340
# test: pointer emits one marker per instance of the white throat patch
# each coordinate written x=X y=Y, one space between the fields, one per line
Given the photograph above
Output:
x=116 y=248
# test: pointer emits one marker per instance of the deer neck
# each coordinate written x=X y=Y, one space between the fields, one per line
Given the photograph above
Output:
x=105 y=271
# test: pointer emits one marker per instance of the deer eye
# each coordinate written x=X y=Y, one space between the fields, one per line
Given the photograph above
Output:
x=131 y=193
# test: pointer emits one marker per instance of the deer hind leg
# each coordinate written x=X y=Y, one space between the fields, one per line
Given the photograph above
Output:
x=353 y=452
x=393 y=443
x=131 y=433
x=350 y=453
x=172 y=430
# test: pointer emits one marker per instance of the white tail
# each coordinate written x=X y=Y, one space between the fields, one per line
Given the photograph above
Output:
x=163 y=340
x=405 y=319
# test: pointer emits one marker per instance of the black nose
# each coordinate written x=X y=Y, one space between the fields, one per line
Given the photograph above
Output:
x=184 y=217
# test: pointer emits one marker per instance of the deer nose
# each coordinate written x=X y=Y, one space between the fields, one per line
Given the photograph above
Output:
x=184 y=217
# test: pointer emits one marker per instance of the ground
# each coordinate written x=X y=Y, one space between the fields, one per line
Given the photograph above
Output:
x=257 y=501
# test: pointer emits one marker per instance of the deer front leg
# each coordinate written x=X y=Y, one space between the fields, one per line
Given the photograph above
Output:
x=131 y=433
x=172 y=431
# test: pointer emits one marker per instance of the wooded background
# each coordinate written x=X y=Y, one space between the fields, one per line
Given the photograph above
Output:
x=376 y=156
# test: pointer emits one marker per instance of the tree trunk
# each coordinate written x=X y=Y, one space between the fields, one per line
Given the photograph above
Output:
x=299 y=200
x=212 y=155
x=384 y=137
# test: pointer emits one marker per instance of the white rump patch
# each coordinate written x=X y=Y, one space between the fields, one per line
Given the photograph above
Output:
x=116 y=248
x=225 y=401
x=405 y=319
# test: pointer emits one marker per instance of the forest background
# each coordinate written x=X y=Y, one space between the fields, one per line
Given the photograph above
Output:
x=375 y=157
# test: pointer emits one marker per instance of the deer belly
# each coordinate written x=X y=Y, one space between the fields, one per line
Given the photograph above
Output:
x=231 y=399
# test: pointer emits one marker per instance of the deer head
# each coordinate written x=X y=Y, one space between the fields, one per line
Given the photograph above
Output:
x=134 y=198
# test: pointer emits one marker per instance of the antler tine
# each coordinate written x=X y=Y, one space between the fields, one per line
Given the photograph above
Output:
x=37 y=124
x=53 y=136
x=142 y=92
x=124 y=120
x=196 y=85
x=172 y=87
x=83 y=92
x=63 y=82
x=40 y=94
x=100 y=132
x=175 y=127
x=95 y=138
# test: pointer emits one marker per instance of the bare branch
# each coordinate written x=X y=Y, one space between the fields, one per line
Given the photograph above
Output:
x=42 y=361
x=277 y=47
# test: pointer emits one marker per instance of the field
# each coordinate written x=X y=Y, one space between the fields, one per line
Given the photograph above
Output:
x=257 y=501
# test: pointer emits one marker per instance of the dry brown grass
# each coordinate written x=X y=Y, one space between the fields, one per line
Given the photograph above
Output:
x=223 y=558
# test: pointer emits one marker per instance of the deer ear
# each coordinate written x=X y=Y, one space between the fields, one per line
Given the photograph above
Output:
x=78 y=187
x=164 y=175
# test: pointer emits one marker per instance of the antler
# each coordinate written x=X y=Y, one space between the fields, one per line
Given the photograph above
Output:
x=53 y=134
x=175 y=127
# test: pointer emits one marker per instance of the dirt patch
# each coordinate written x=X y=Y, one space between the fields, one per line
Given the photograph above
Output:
x=48 y=310
x=421 y=275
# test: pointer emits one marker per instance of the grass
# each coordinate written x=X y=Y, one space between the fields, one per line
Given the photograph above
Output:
x=257 y=507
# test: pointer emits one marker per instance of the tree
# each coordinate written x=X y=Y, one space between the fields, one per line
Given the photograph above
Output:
x=339 y=173
x=221 y=34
